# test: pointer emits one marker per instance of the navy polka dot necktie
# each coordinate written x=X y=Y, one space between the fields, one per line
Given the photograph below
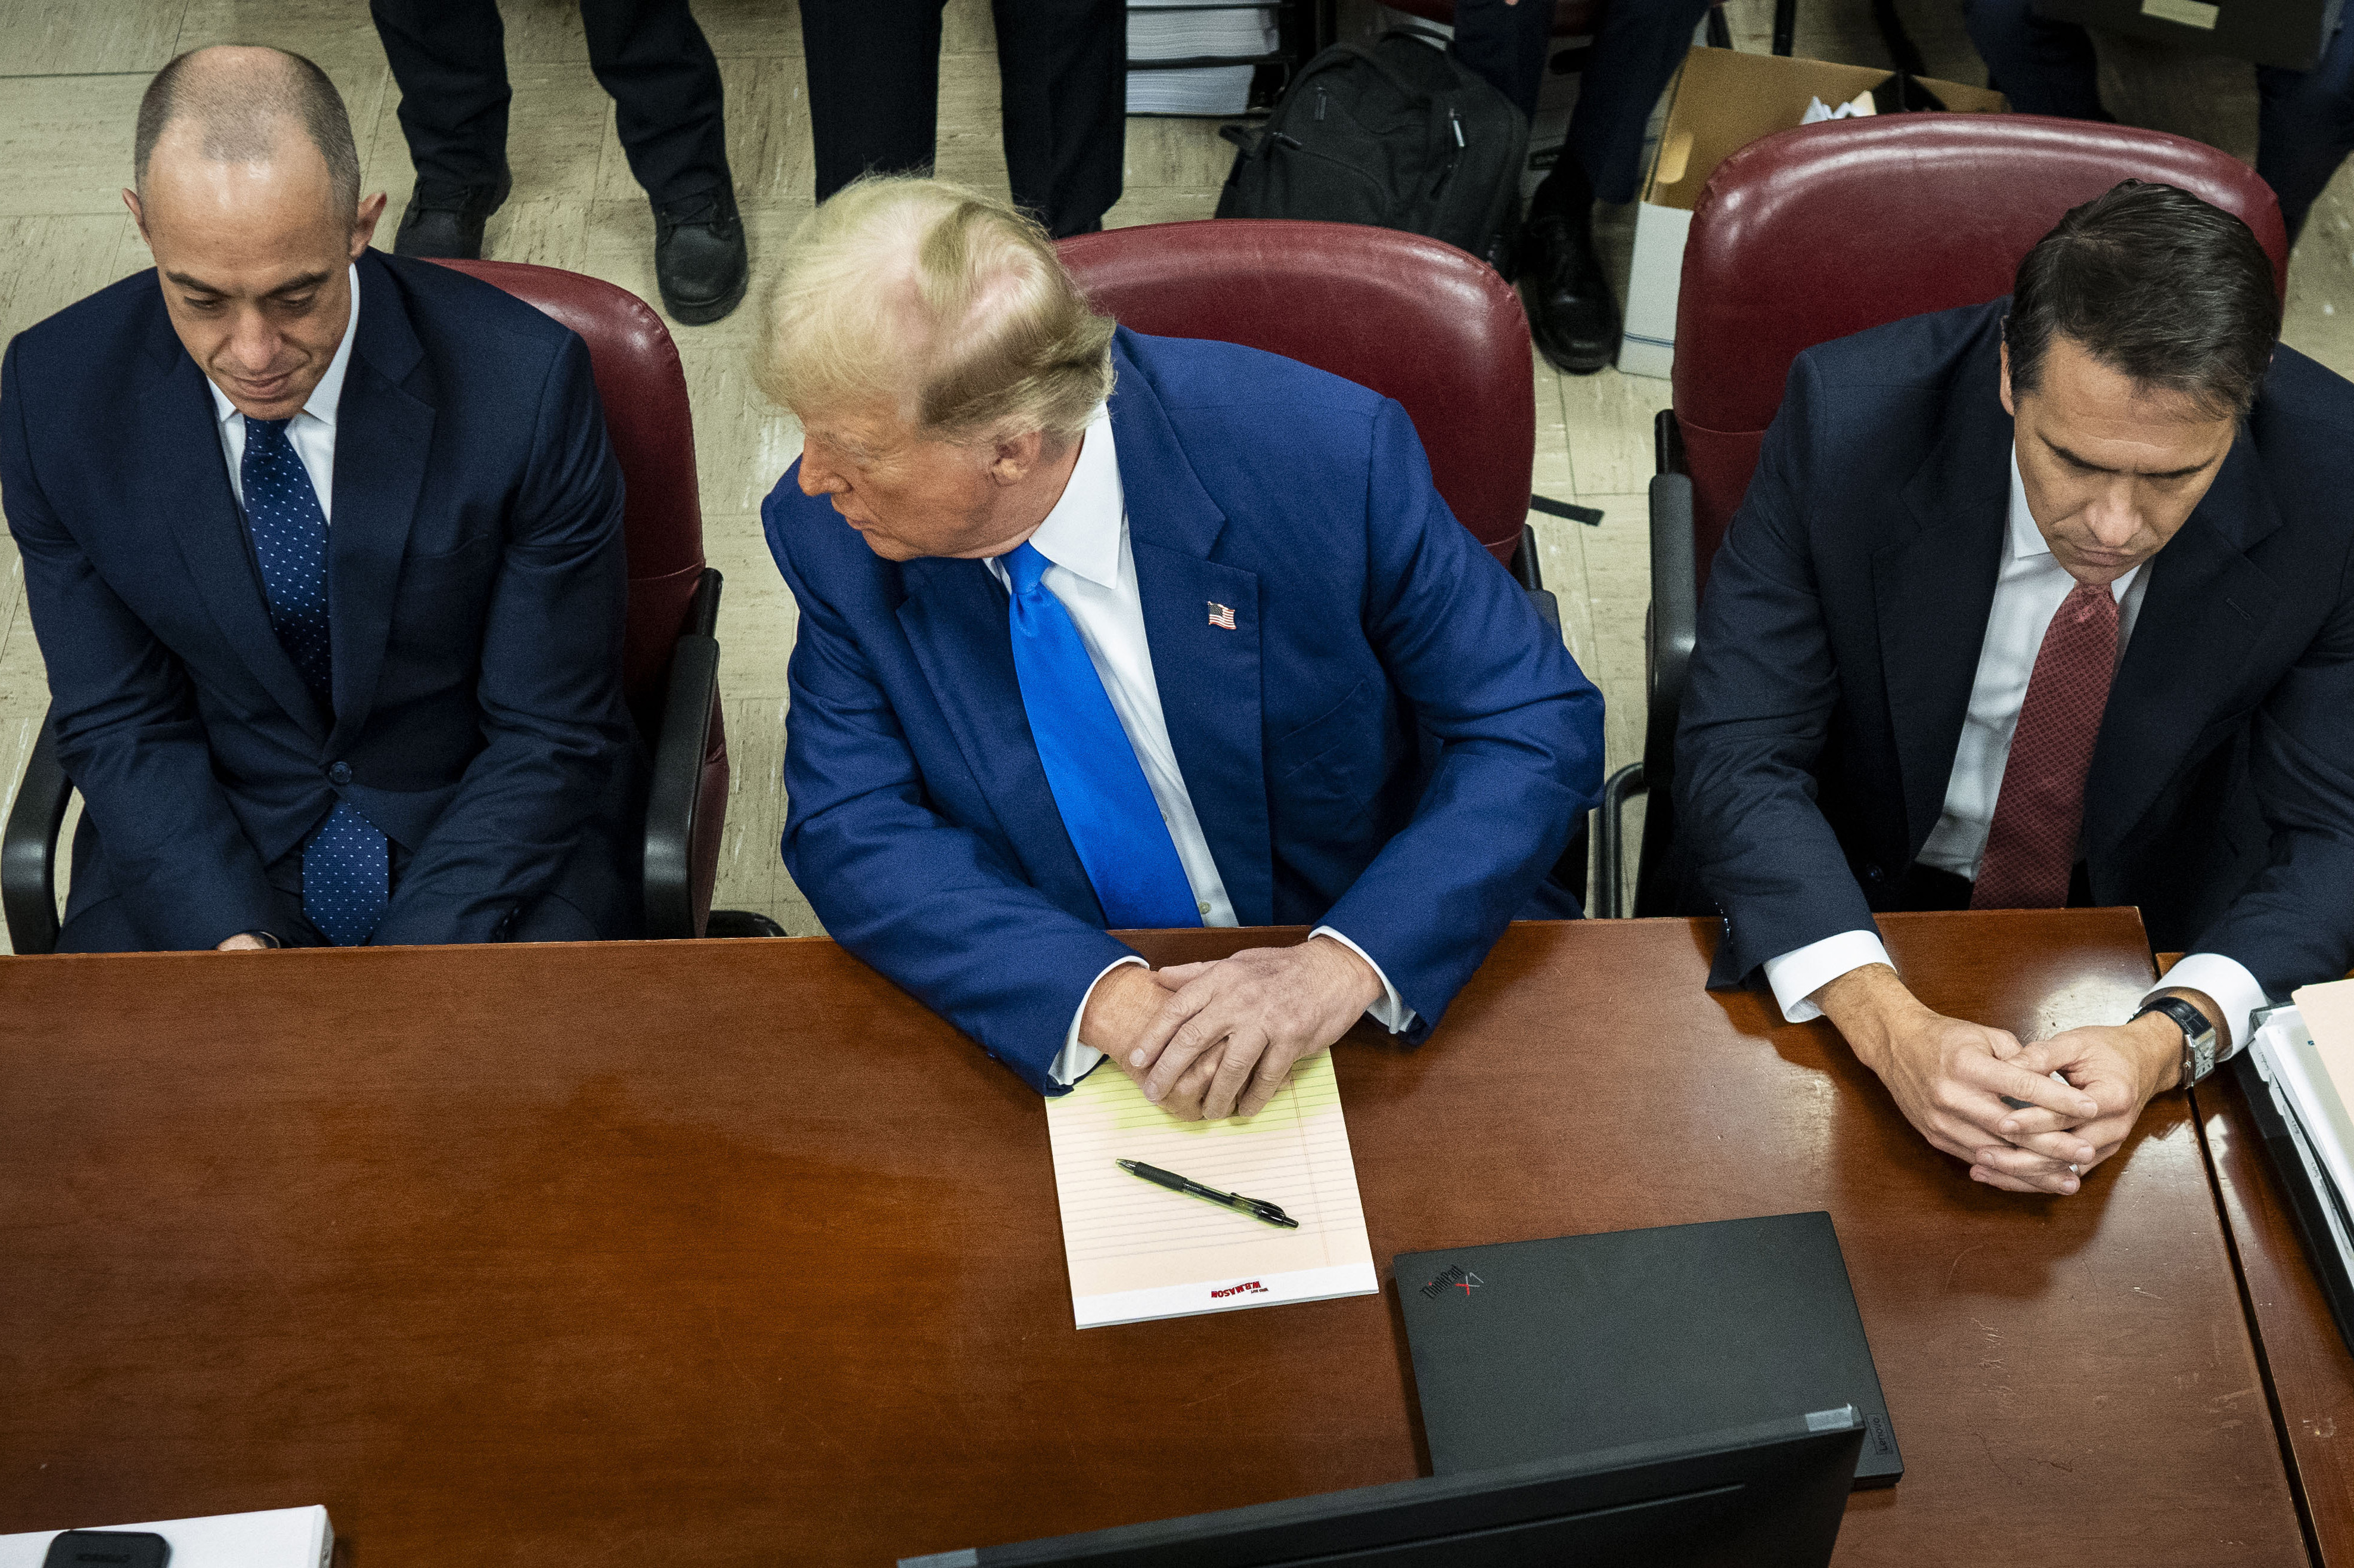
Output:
x=346 y=869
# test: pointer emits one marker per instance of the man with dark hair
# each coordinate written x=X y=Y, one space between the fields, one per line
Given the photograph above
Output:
x=324 y=549
x=2044 y=601
x=450 y=59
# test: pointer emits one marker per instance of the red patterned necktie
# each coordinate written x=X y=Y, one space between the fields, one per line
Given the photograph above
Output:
x=2031 y=844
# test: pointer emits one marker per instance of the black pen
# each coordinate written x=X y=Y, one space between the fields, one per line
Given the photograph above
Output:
x=1176 y=1183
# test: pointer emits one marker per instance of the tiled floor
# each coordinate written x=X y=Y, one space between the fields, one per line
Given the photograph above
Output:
x=70 y=76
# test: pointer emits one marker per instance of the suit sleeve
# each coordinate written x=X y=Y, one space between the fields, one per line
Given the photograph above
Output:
x=553 y=721
x=1519 y=733
x=126 y=725
x=920 y=899
x=1758 y=701
x=2294 y=924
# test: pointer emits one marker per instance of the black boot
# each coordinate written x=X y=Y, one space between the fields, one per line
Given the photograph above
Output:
x=447 y=220
x=699 y=258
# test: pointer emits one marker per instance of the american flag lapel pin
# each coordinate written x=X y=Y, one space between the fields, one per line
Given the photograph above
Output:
x=1222 y=615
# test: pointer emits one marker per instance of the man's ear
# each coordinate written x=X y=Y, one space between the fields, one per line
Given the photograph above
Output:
x=364 y=222
x=138 y=215
x=2004 y=349
x=1016 y=458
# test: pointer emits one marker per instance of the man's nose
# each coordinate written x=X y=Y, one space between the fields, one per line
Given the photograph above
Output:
x=2113 y=516
x=816 y=478
x=253 y=343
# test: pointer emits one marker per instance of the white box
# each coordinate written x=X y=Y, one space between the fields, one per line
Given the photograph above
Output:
x=274 y=1538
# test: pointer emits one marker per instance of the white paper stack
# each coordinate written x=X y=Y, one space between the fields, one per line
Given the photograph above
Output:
x=1158 y=32
x=274 y=1538
x=2305 y=1054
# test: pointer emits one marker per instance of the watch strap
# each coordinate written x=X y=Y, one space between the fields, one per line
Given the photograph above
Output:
x=2198 y=1036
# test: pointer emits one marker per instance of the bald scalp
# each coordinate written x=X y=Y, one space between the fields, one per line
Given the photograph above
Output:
x=242 y=103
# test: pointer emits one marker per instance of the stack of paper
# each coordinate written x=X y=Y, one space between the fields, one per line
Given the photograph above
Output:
x=2305 y=1054
x=1138 y=1251
x=1156 y=31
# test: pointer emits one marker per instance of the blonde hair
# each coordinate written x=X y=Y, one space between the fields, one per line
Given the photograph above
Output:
x=946 y=304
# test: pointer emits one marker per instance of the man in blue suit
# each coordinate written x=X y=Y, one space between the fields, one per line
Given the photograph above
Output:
x=2046 y=601
x=324 y=549
x=1100 y=631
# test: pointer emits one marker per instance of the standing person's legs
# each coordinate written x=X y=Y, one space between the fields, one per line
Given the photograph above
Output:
x=1506 y=43
x=2042 y=67
x=1062 y=74
x=668 y=109
x=2305 y=127
x=873 y=86
x=449 y=57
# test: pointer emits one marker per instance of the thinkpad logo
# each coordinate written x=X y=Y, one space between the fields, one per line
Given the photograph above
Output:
x=1455 y=1277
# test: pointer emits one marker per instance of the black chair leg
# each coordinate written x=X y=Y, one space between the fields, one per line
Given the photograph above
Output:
x=1786 y=26
x=29 y=849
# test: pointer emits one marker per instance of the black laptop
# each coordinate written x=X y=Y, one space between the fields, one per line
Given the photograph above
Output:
x=1527 y=1351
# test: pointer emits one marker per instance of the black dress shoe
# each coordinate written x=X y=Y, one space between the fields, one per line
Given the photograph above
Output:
x=699 y=259
x=447 y=220
x=1571 y=313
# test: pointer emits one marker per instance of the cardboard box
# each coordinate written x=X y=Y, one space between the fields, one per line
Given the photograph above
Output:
x=1723 y=100
x=2291 y=33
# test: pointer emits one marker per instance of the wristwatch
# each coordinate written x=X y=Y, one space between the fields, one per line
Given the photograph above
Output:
x=2198 y=1036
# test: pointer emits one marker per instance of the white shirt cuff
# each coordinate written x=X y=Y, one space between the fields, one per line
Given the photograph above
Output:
x=1391 y=1013
x=1799 y=973
x=2226 y=982
x=1076 y=1061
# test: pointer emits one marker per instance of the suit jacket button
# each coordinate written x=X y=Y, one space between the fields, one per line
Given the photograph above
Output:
x=341 y=772
x=1871 y=872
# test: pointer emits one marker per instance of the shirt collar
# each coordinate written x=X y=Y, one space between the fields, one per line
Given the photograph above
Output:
x=2027 y=539
x=329 y=392
x=1082 y=532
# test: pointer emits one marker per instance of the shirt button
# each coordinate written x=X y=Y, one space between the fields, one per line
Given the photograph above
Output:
x=1205 y=908
x=340 y=773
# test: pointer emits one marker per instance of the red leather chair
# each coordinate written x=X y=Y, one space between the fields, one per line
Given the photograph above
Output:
x=670 y=657
x=1414 y=319
x=1810 y=235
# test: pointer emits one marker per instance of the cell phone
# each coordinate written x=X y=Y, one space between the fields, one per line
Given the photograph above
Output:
x=107 y=1549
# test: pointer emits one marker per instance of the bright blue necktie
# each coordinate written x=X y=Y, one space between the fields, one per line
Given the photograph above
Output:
x=1107 y=808
x=346 y=869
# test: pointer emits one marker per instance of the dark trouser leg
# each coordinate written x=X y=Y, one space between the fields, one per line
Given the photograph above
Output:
x=449 y=57
x=2306 y=127
x=874 y=85
x=2043 y=67
x=1061 y=69
x=1635 y=57
x=652 y=58
x=1506 y=45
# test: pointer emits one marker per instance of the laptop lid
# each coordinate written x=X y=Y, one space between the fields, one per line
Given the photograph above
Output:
x=1525 y=1350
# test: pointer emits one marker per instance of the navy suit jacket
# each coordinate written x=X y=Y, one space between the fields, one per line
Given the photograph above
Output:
x=1841 y=636
x=1390 y=740
x=477 y=584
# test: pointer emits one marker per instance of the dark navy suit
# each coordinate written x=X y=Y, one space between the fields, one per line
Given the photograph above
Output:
x=1389 y=741
x=1840 y=634
x=476 y=587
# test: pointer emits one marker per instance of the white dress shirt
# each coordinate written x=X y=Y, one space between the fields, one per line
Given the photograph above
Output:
x=1093 y=575
x=2026 y=595
x=311 y=432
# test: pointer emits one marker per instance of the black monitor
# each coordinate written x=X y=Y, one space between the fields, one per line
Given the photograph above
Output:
x=1769 y=1495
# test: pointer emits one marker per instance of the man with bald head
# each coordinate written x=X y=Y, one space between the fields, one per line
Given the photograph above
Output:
x=324 y=549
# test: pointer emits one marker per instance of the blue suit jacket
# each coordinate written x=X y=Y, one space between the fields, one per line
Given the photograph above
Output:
x=477 y=585
x=1390 y=740
x=1841 y=636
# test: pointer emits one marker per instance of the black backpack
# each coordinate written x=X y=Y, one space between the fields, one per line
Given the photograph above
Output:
x=1399 y=136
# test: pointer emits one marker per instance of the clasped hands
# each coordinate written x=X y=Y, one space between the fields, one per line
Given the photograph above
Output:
x=1218 y=1039
x=1949 y=1077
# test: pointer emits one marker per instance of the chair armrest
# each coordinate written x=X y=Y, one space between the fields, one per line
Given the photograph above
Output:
x=1524 y=560
x=1674 y=622
x=1548 y=609
x=676 y=793
x=1610 y=843
x=29 y=849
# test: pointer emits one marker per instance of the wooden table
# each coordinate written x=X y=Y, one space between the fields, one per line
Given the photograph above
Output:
x=729 y=1253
